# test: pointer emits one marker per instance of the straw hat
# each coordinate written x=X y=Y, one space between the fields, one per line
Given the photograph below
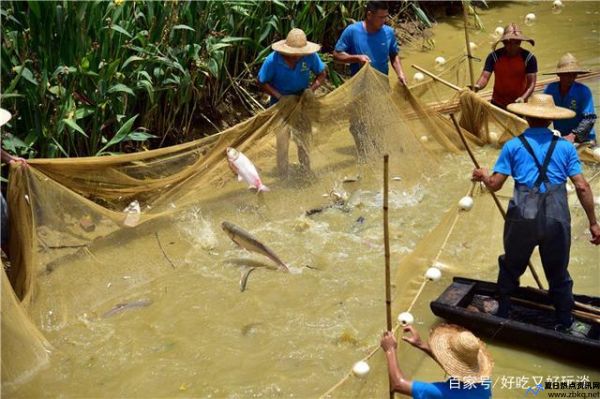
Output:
x=461 y=354
x=513 y=32
x=541 y=106
x=568 y=64
x=296 y=44
x=4 y=116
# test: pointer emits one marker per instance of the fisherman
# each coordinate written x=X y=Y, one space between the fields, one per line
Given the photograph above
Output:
x=514 y=69
x=6 y=158
x=369 y=41
x=286 y=71
x=576 y=96
x=461 y=354
x=538 y=213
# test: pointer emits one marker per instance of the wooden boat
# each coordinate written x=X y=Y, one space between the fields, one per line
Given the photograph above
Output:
x=531 y=323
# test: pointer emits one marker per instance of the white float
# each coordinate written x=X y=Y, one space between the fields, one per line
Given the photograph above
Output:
x=418 y=77
x=424 y=139
x=499 y=31
x=406 y=318
x=472 y=46
x=466 y=203
x=530 y=19
x=433 y=274
x=439 y=61
x=493 y=136
x=361 y=369
x=557 y=7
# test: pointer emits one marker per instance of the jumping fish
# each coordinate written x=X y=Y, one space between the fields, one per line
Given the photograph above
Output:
x=245 y=169
x=243 y=239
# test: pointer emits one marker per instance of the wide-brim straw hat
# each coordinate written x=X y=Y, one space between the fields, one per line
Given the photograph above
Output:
x=568 y=64
x=541 y=106
x=461 y=354
x=296 y=44
x=4 y=116
x=513 y=32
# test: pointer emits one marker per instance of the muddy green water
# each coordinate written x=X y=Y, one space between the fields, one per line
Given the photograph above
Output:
x=296 y=335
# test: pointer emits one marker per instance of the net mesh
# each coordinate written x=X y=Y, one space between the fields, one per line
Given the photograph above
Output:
x=73 y=233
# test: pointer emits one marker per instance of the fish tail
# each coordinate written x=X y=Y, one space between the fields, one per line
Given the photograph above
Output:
x=262 y=187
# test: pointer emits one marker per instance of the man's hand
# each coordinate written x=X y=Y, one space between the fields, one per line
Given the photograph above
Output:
x=570 y=137
x=402 y=79
x=413 y=338
x=479 y=174
x=362 y=59
x=474 y=88
x=595 y=230
x=388 y=342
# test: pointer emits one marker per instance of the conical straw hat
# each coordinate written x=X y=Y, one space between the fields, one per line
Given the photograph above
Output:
x=568 y=64
x=541 y=106
x=4 y=116
x=513 y=32
x=460 y=353
x=296 y=44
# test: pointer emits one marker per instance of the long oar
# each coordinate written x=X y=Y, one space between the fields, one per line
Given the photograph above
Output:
x=386 y=238
x=498 y=204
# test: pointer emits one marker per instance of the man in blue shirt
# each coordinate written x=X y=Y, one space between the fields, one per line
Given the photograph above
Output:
x=286 y=71
x=461 y=354
x=575 y=96
x=538 y=213
x=369 y=41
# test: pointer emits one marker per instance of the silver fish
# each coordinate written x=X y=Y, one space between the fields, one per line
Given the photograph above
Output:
x=243 y=239
x=121 y=307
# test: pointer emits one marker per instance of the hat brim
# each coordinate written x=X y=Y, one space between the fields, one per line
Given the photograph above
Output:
x=282 y=47
x=541 y=112
x=439 y=342
x=579 y=71
x=513 y=37
x=4 y=116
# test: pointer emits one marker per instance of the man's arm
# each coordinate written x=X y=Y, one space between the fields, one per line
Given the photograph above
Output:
x=397 y=65
x=319 y=79
x=8 y=158
x=398 y=381
x=270 y=90
x=531 y=79
x=586 y=198
x=493 y=182
x=582 y=131
x=342 y=56
x=482 y=81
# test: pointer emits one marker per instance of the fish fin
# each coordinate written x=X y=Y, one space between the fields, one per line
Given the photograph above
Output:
x=285 y=268
x=262 y=187
x=240 y=178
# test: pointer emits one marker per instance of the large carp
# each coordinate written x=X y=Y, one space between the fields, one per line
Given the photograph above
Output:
x=247 y=241
x=245 y=169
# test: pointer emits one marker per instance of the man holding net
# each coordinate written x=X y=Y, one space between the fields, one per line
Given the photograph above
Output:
x=286 y=71
x=514 y=69
x=575 y=96
x=538 y=213
x=369 y=41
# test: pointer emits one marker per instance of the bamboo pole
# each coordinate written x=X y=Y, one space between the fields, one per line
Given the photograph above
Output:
x=579 y=313
x=498 y=204
x=386 y=236
x=468 y=42
x=584 y=306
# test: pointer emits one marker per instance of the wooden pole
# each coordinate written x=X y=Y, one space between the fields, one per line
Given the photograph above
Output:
x=468 y=42
x=386 y=236
x=579 y=313
x=498 y=204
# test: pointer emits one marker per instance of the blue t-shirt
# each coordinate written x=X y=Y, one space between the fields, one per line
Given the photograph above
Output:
x=379 y=46
x=515 y=160
x=286 y=80
x=579 y=99
x=451 y=390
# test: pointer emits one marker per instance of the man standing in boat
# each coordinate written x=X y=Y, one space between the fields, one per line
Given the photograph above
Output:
x=286 y=71
x=369 y=41
x=570 y=94
x=538 y=213
x=514 y=69
x=461 y=354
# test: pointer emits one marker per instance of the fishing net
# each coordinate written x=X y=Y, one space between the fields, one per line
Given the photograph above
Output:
x=89 y=233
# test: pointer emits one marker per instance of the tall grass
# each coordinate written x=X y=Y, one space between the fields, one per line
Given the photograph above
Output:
x=93 y=77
